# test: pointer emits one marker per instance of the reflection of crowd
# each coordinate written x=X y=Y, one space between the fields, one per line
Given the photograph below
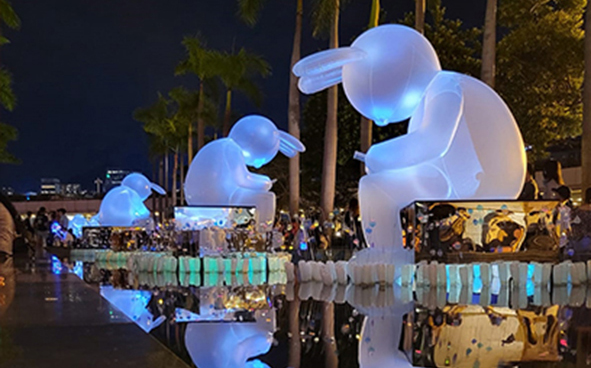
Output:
x=308 y=236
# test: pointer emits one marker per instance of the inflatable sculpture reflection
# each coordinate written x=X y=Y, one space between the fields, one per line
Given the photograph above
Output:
x=462 y=140
x=219 y=175
x=124 y=205
x=231 y=344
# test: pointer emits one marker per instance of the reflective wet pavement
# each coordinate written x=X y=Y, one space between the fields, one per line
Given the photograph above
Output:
x=53 y=318
x=57 y=320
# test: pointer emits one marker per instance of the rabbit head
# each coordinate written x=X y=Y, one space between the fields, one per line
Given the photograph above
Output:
x=260 y=140
x=142 y=186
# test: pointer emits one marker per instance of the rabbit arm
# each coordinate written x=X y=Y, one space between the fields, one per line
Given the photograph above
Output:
x=257 y=182
x=443 y=107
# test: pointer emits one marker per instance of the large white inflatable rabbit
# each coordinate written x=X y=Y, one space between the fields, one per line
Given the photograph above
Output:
x=124 y=205
x=462 y=140
x=219 y=174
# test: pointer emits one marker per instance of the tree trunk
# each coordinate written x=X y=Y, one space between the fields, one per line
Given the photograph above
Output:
x=190 y=140
x=161 y=183
x=586 y=139
x=227 y=113
x=329 y=168
x=295 y=346
x=420 y=16
x=366 y=138
x=155 y=180
x=175 y=170
x=374 y=17
x=166 y=186
x=331 y=360
x=366 y=126
x=293 y=114
x=489 y=43
x=200 y=122
x=182 y=184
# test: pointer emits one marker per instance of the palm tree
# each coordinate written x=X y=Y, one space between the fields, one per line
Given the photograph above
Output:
x=8 y=133
x=199 y=61
x=326 y=18
x=420 y=16
x=489 y=41
x=586 y=139
x=249 y=10
x=155 y=119
x=366 y=126
x=236 y=70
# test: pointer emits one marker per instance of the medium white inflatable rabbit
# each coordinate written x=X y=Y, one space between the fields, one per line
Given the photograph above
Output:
x=124 y=205
x=462 y=140
x=219 y=176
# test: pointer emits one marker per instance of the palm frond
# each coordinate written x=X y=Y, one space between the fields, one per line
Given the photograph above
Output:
x=8 y=15
x=7 y=134
x=7 y=96
x=249 y=10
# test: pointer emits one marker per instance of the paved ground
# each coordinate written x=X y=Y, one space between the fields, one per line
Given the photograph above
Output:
x=49 y=320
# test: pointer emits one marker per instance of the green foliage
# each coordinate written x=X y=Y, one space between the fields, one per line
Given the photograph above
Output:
x=237 y=71
x=458 y=48
x=249 y=10
x=167 y=120
x=7 y=134
x=199 y=60
x=8 y=16
x=348 y=169
x=7 y=96
x=540 y=68
x=322 y=16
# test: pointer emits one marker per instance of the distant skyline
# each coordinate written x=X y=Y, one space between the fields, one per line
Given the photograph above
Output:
x=81 y=67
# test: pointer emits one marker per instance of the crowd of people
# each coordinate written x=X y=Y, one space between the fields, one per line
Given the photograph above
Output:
x=312 y=238
x=571 y=223
x=32 y=232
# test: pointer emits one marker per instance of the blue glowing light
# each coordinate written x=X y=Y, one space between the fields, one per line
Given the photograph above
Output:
x=303 y=246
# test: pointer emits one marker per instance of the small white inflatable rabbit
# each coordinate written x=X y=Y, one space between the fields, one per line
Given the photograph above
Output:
x=219 y=174
x=462 y=140
x=124 y=205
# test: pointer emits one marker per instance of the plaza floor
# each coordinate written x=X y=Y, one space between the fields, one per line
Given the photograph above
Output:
x=57 y=320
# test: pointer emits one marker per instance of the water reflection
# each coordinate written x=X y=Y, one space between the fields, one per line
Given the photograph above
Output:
x=242 y=324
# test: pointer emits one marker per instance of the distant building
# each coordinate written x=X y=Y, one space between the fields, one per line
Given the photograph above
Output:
x=50 y=186
x=7 y=191
x=114 y=178
x=71 y=190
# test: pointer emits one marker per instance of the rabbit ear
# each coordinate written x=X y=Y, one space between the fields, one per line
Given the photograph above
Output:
x=324 y=69
x=157 y=188
x=290 y=145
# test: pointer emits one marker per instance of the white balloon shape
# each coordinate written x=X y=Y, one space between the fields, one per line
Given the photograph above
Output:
x=124 y=205
x=462 y=140
x=142 y=186
x=219 y=176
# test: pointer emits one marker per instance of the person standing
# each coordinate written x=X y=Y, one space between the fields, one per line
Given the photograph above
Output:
x=62 y=219
x=552 y=179
x=530 y=187
x=352 y=222
x=562 y=214
x=41 y=227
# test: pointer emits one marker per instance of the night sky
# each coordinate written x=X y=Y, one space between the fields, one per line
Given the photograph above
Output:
x=81 y=67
